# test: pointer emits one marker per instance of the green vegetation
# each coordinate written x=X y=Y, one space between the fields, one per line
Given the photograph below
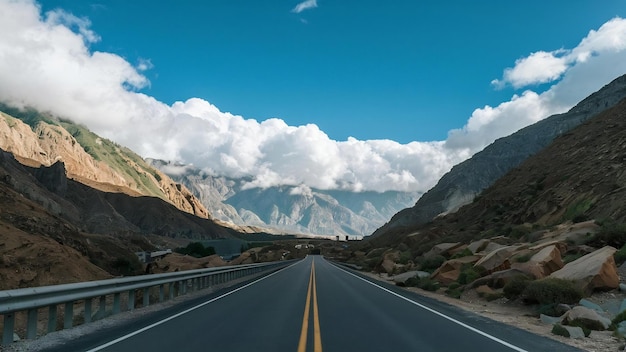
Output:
x=514 y=288
x=576 y=212
x=426 y=284
x=587 y=325
x=523 y=258
x=552 y=291
x=610 y=234
x=431 y=264
x=28 y=115
x=196 y=249
x=126 y=266
x=128 y=164
x=405 y=257
x=468 y=275
x=559 y=330
x=618 y=319
x=464 y=253
x=620 y=255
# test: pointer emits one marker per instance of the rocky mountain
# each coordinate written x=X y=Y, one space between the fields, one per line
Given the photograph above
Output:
x=289 y=209
x=580 y=176
x=88 y=158
x=466 y=180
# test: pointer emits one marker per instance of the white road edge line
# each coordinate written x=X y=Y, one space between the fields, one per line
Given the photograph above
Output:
x=491 y=337
x=120 y=339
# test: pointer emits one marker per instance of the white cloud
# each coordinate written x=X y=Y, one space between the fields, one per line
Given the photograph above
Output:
x=539 y=67
x=45 y=62
x=305 y=5
x=544 y=67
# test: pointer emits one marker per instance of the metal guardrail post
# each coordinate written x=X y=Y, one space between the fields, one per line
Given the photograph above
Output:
x=171 y=290
x=131 y=300
x=161 y=293
x=87 y=312
x=103 y=307
x=116 y=303
x=52 y=318
x=146 y=296
x=7 y=334
x=69 y=315
x=31 y=327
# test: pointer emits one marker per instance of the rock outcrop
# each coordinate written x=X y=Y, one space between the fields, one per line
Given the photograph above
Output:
x=595 y=271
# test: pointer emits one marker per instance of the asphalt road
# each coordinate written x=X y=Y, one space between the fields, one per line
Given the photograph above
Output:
x=314 y=305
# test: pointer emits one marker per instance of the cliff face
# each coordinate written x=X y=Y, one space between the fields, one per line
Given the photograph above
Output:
x=93 y=161
x=466 y=180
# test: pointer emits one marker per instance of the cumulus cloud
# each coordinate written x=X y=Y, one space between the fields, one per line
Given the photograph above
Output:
x=305 y=5
x=544 y=67
x=46 y=63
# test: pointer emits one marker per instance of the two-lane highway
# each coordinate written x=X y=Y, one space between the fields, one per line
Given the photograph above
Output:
x=314 y=305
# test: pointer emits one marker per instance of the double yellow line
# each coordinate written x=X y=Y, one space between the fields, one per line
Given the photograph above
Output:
x=317 y=338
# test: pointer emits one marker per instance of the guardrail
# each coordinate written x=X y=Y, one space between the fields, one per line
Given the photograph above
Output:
x=31 y=300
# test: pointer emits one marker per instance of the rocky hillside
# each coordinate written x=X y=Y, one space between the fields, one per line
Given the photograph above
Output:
x=89 y=159
x=461 y=184
x=290 y=209
x=579 y=176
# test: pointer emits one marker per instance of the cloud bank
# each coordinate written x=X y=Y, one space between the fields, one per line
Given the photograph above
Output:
x=46 y=63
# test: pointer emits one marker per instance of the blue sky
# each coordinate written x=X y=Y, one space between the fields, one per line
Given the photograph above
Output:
x=404 y=70
x=353 y=95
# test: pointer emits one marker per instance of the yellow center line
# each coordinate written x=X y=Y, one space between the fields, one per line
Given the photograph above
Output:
x=316 y=320
x=317 y=342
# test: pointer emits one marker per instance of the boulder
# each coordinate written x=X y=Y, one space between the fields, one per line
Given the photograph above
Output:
x=575 y=332
x=478 y=246
x=586 y=314
x=588 y=304
x=543 y=263
x=499 y=278
x=546 y=319
x=594 y=271
x=496 y=260
x=402 y=278
x=450 y=270
x=442 y=249
x=558 y=244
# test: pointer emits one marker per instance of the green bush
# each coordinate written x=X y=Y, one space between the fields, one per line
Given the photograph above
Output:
x=468 y=275
x=428 y=284
x=431 y=264
x=515 y=287
x=618 y=319
x=552 y=290
x=524 y=258
x=610 y=234
x=587 y=325
x=405 y=257
x=196 y=249
x=620 y=255
x=559 y=330
x=454 y=292
x=464 y=253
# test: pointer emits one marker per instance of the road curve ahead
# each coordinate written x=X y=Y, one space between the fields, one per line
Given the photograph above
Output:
x=314 y=305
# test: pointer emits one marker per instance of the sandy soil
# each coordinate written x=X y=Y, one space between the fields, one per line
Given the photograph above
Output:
x=516 y=314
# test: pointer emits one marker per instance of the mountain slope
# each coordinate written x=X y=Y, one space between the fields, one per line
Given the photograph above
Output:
x=466 y=180
x=581 y=175
x=289 y=209
x=90 y=159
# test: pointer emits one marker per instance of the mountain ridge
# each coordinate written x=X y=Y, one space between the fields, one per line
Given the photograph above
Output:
x=467 y=179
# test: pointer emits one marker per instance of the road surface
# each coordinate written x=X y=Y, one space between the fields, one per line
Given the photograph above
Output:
x=313 y=305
